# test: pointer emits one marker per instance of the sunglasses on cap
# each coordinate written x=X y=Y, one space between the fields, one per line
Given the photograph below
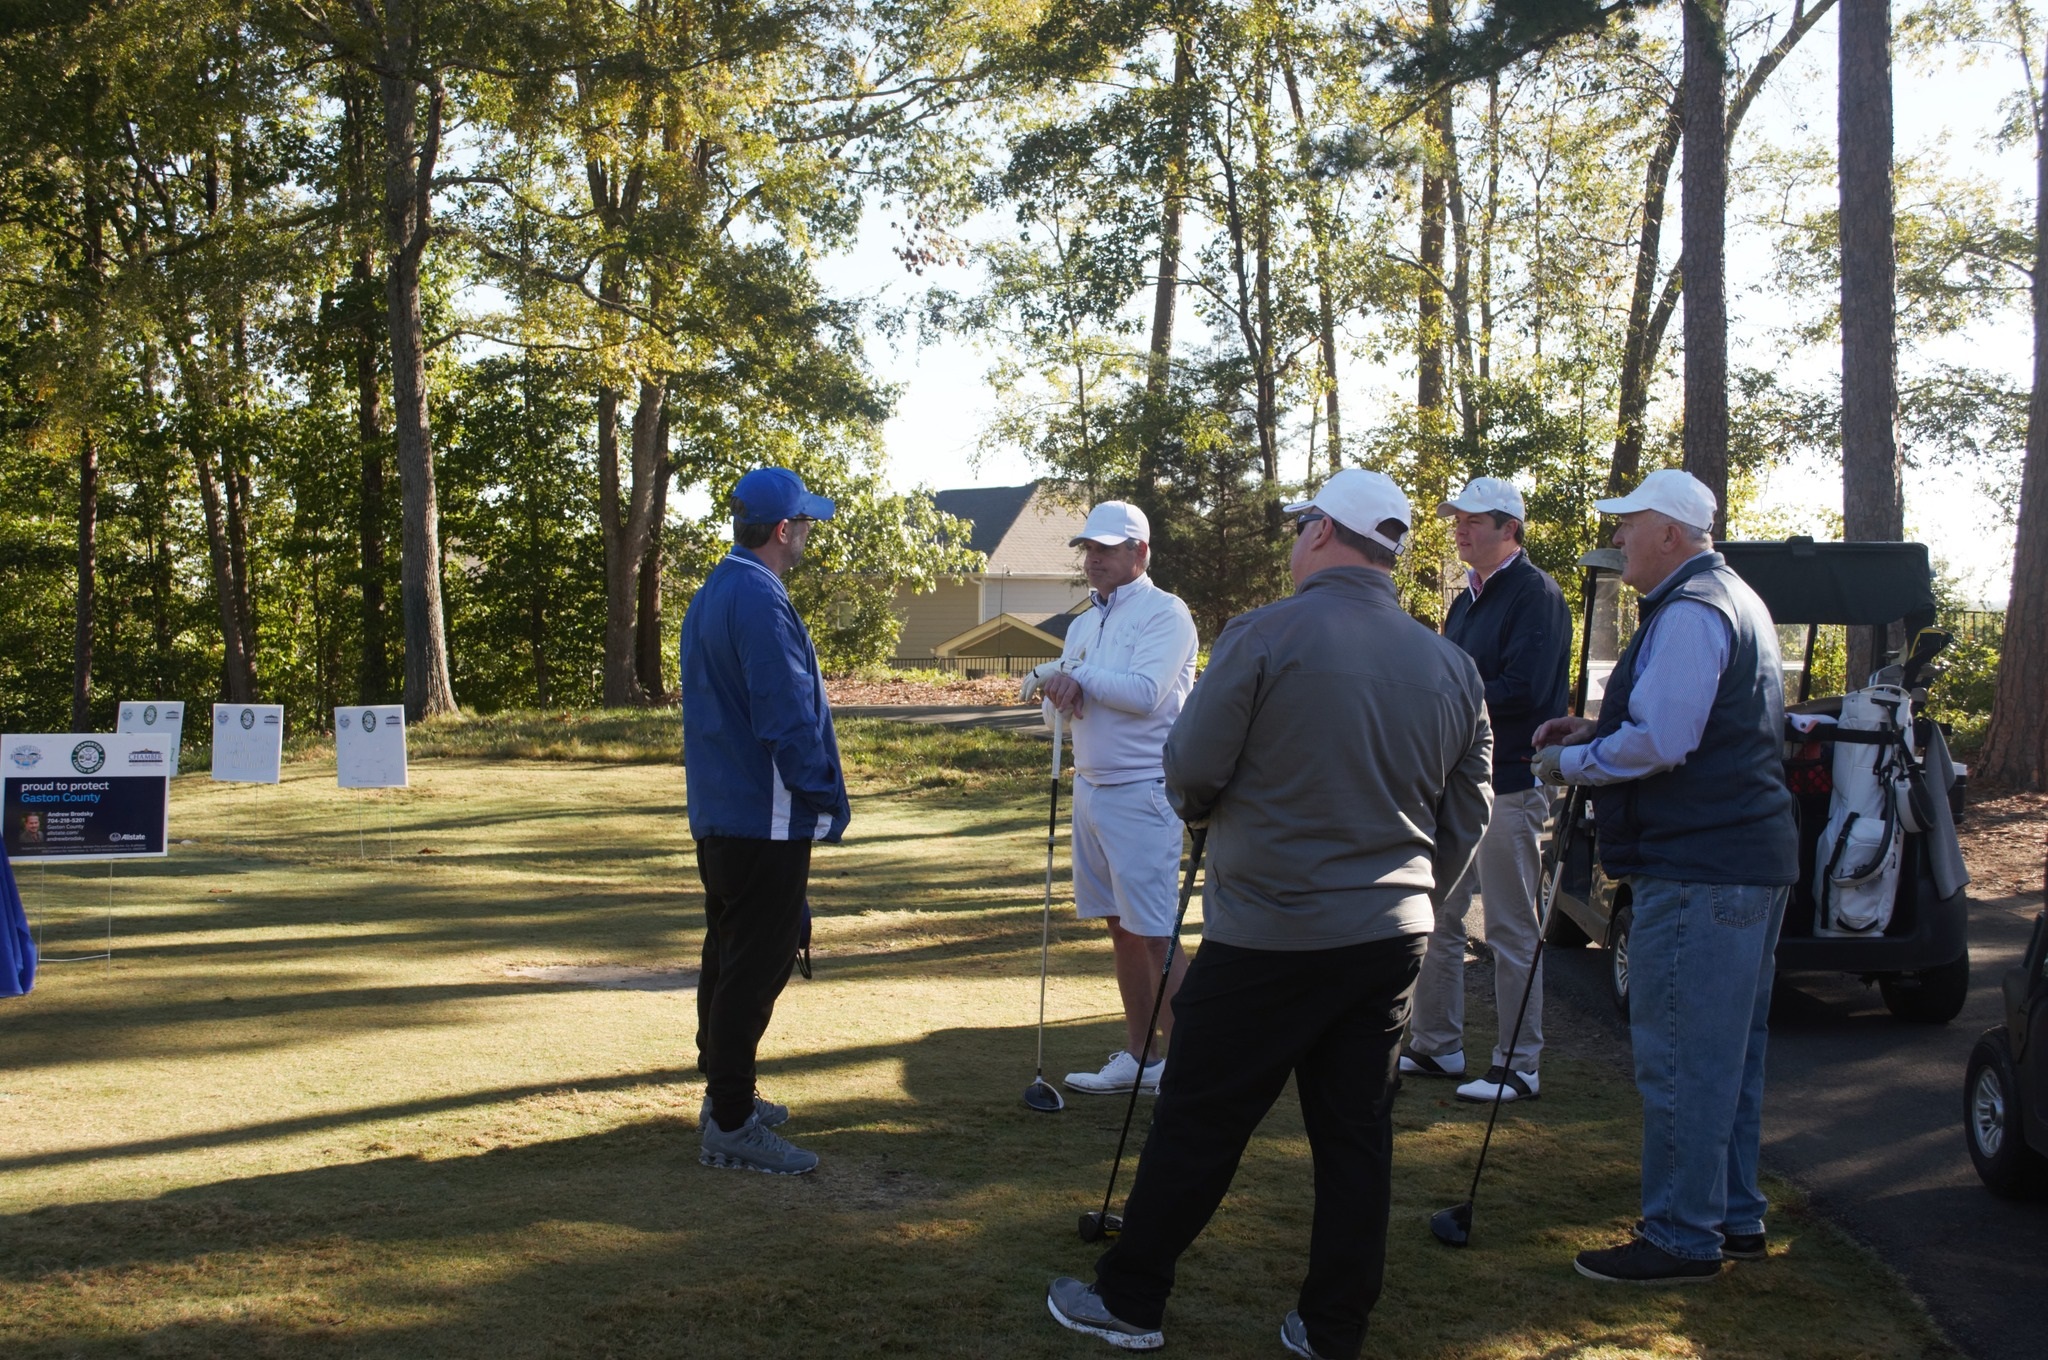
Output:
x=1302 y=521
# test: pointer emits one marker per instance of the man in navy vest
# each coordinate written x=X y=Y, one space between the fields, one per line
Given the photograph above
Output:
x=761 y=765
x=1512 y=621
x=1688 y=784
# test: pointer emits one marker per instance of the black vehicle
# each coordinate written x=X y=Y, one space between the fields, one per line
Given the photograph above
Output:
x=1920 y=959
x=2005 y=1093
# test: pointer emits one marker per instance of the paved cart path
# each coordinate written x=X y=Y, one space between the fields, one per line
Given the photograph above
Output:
x=1865 y=1112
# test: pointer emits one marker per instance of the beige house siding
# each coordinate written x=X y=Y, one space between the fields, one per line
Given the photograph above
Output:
x=1028 y=598
x=931 y=618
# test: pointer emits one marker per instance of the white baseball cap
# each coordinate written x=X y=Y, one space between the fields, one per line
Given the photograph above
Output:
x=1482 y=494
x=1111 y=523
x=1359 y=500
x=1671 y=492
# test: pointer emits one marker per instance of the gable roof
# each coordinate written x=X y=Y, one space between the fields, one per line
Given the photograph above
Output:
x=1023 y=530
x=1036 y=641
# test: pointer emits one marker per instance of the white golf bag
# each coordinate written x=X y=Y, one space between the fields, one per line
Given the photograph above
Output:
x=1856 y=865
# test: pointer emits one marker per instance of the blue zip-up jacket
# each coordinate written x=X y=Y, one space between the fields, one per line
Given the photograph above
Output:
x=1518 y=632
x=760 y=760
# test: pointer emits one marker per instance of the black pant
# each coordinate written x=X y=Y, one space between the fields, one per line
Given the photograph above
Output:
x=753 y=916
x=1242 y=1022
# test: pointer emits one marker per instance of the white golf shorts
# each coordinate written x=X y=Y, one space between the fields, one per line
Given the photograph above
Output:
x=1126 y=854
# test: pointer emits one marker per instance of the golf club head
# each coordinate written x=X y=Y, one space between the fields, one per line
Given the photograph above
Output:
x=1453 y=1226
x=1097 y=1226
x=1040 y=1096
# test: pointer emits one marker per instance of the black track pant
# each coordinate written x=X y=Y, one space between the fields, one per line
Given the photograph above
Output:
x=1245 y=1020
x=753 y=915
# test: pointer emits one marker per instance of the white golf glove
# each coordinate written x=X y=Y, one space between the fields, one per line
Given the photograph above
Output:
x=1548 y=766
x=1034 y=680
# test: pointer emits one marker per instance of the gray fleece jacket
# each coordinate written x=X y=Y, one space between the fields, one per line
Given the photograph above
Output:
x=1341 y=754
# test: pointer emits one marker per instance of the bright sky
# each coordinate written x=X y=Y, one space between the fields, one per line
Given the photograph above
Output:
x=934 y=438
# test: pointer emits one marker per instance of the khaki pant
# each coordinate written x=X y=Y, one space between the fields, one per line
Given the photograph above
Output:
x=1505 y=874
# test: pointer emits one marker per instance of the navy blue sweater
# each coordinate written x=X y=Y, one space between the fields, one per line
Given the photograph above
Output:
x=1518 y=632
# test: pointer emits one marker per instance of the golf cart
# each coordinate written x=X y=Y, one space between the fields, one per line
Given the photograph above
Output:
x=2005 y=1093
x=1913 y=942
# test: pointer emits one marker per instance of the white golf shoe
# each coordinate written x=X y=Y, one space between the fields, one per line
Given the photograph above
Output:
x=1116 y=1077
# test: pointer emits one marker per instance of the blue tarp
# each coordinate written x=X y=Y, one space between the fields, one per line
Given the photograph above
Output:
x=17 y=946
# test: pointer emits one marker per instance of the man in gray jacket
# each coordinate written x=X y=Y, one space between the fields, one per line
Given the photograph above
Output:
x=1339 y=752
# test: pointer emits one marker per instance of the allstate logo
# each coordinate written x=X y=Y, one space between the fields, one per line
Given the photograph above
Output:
x=27 y=757
x=88 y=757
x=221 y=716
x=248 y=718
x=126 y=714
x=369 y=721
x=344 y=722
x=149 y=716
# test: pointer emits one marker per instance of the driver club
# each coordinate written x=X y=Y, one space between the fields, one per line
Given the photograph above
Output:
x=1040 y=1095
x=1453 y=1226
x=1098 y=1224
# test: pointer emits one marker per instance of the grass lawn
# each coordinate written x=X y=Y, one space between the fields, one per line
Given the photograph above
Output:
x=311 y=1109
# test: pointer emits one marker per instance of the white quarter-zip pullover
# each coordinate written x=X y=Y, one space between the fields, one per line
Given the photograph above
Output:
x=1133 y=654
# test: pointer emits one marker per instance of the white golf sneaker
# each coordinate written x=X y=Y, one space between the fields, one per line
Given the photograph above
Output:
x=1451 y=1064
x=1510 y=1086
x=1116 y=1076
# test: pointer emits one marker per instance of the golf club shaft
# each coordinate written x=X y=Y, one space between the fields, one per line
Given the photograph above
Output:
x=1187 y=893
x=1553 y=881
x=1052 y=827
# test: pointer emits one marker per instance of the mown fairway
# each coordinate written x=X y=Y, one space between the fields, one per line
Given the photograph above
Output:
x=311 y=1110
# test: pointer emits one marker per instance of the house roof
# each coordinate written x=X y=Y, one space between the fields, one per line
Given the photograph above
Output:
x=1023 y=529
x=1001 y=623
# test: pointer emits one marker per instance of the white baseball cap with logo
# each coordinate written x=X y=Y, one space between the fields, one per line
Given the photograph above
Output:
x=1359 y=500
x=1668 y=491
x=1482 y=494
x=1111 y=523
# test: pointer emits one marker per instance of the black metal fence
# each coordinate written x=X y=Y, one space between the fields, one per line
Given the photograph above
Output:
x=970 y=667
x=1975 y=625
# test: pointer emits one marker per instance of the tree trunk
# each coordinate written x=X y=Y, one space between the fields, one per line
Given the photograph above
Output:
x=1703 y=232
x=410 y=153
x=88 y=573
x=1638 y=357
x=1166 y=291
x=1873 y=466
x=374 y=682
x=647 y=643
x=2016 y=744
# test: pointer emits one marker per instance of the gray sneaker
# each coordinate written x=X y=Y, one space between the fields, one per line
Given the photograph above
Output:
x=1294 y=1336
x=753 y=1146
x=1079 y=1308
x=767 y=1111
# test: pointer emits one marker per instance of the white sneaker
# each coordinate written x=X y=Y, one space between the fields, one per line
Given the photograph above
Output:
x=1116 y=1077
x=1451 y=1064
x=1499 y=1081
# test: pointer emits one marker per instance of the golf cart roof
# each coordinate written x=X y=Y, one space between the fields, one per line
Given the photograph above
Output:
x=1803 y=581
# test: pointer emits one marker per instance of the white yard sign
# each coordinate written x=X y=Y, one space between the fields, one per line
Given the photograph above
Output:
x=369 y=747
x=248 y=742
x=164 y=719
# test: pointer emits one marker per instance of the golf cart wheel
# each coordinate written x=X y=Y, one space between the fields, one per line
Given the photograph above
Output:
x=1933 y=996
x=1617 y=958
x=1563 y=932
x=1993 y=1124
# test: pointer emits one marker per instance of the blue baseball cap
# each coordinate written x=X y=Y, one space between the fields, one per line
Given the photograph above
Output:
x=770 y=495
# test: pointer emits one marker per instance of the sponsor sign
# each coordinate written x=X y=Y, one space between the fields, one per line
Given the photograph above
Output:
x=163 y=718
x=248 y=743
x=66 y=796
x=369 y=747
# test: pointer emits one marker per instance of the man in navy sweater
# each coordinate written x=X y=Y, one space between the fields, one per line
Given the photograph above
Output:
x=1512 y=621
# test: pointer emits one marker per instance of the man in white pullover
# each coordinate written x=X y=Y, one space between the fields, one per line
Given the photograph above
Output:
x=1123 y=674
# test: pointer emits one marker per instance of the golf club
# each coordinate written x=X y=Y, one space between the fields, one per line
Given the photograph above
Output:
x=1040 y=1094
x=1098 y=1224
x=1453 y=1226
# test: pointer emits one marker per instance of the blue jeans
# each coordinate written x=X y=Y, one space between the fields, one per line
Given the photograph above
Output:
x=1700 y=969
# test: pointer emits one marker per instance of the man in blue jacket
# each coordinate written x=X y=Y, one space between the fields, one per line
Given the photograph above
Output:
x=762 y=769
x=1512 y=621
